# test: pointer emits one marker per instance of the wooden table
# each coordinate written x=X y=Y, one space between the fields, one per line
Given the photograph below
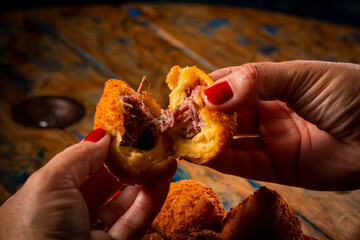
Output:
x=72 y=51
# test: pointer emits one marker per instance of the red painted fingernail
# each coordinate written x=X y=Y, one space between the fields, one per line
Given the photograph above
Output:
x=95 y=135
x=219 y=93
x=308 y=237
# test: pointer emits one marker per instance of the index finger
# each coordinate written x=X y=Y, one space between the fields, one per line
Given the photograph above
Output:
x=98 y=188
x=137 y=219
x=251 y=164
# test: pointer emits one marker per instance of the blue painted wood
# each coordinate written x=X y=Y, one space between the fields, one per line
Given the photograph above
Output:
x=267 y=39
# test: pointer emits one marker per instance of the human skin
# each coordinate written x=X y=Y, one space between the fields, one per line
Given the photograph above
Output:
x=306 y=115
x=56 y=202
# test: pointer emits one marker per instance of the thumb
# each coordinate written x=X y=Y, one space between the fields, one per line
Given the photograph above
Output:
x=323 y=93
x=79 y=160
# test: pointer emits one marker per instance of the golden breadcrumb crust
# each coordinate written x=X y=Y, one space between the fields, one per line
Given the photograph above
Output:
x=262 y=215
x=109 y=110
x=132 y=165
x=152 y=236
x=206 y=235
x=129 y=165
x=219 y=127
x=189 y=207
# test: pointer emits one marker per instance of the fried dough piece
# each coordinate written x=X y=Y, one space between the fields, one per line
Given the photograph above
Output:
x=210 y=131
x=146 y=139
x=262 y=215
x=152 y=236
x=206 y=235
x=189 y=207
x=137 y=152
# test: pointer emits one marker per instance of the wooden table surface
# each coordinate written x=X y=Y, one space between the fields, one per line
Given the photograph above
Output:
x=72 y=51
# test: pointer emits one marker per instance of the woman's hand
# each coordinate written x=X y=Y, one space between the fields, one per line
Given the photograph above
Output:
x=55 y=202
x=307 y=116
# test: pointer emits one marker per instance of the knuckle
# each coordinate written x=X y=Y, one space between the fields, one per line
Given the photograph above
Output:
x=41 y=176
x=249 y=72
x=48 y=178
x=35 y=178
x=77 y=149
x=143 y=207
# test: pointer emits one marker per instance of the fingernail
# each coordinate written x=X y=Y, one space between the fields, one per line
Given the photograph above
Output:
x=308 y=237
x=95 y=135
x=219 y=93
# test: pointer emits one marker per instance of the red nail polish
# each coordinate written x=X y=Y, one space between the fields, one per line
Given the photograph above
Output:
x=308 y=237
x=219 y=93
x=95 y=135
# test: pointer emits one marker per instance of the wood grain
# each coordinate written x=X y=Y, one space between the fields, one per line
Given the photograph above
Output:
x=71 y=51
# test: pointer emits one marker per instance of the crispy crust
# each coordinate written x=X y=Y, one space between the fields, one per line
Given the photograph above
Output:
x=135 y=166
x=189 y=207
x=262 y=215
x=193 y=211
x=206 y=235
x=109 y=110
x=220 y=127
x=152 y=236
x=129 y=165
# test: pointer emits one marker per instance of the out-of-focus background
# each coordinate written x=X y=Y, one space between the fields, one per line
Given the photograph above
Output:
x=336 y=11
x=56 y=56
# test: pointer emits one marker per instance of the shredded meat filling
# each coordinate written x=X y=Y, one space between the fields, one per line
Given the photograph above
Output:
x=140 y=130
x=142 y=127
x=187 y=117
x=184 y=117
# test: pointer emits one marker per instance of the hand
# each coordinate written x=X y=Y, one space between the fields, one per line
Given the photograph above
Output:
x=307 y=119
x=51 y=205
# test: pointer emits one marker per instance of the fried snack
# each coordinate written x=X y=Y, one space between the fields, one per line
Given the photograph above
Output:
x=206 y=235
x=146 y=138
x=200 y=134
x=137 y=153
x=152 y=236
x=189 y=207
x=262 y=215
